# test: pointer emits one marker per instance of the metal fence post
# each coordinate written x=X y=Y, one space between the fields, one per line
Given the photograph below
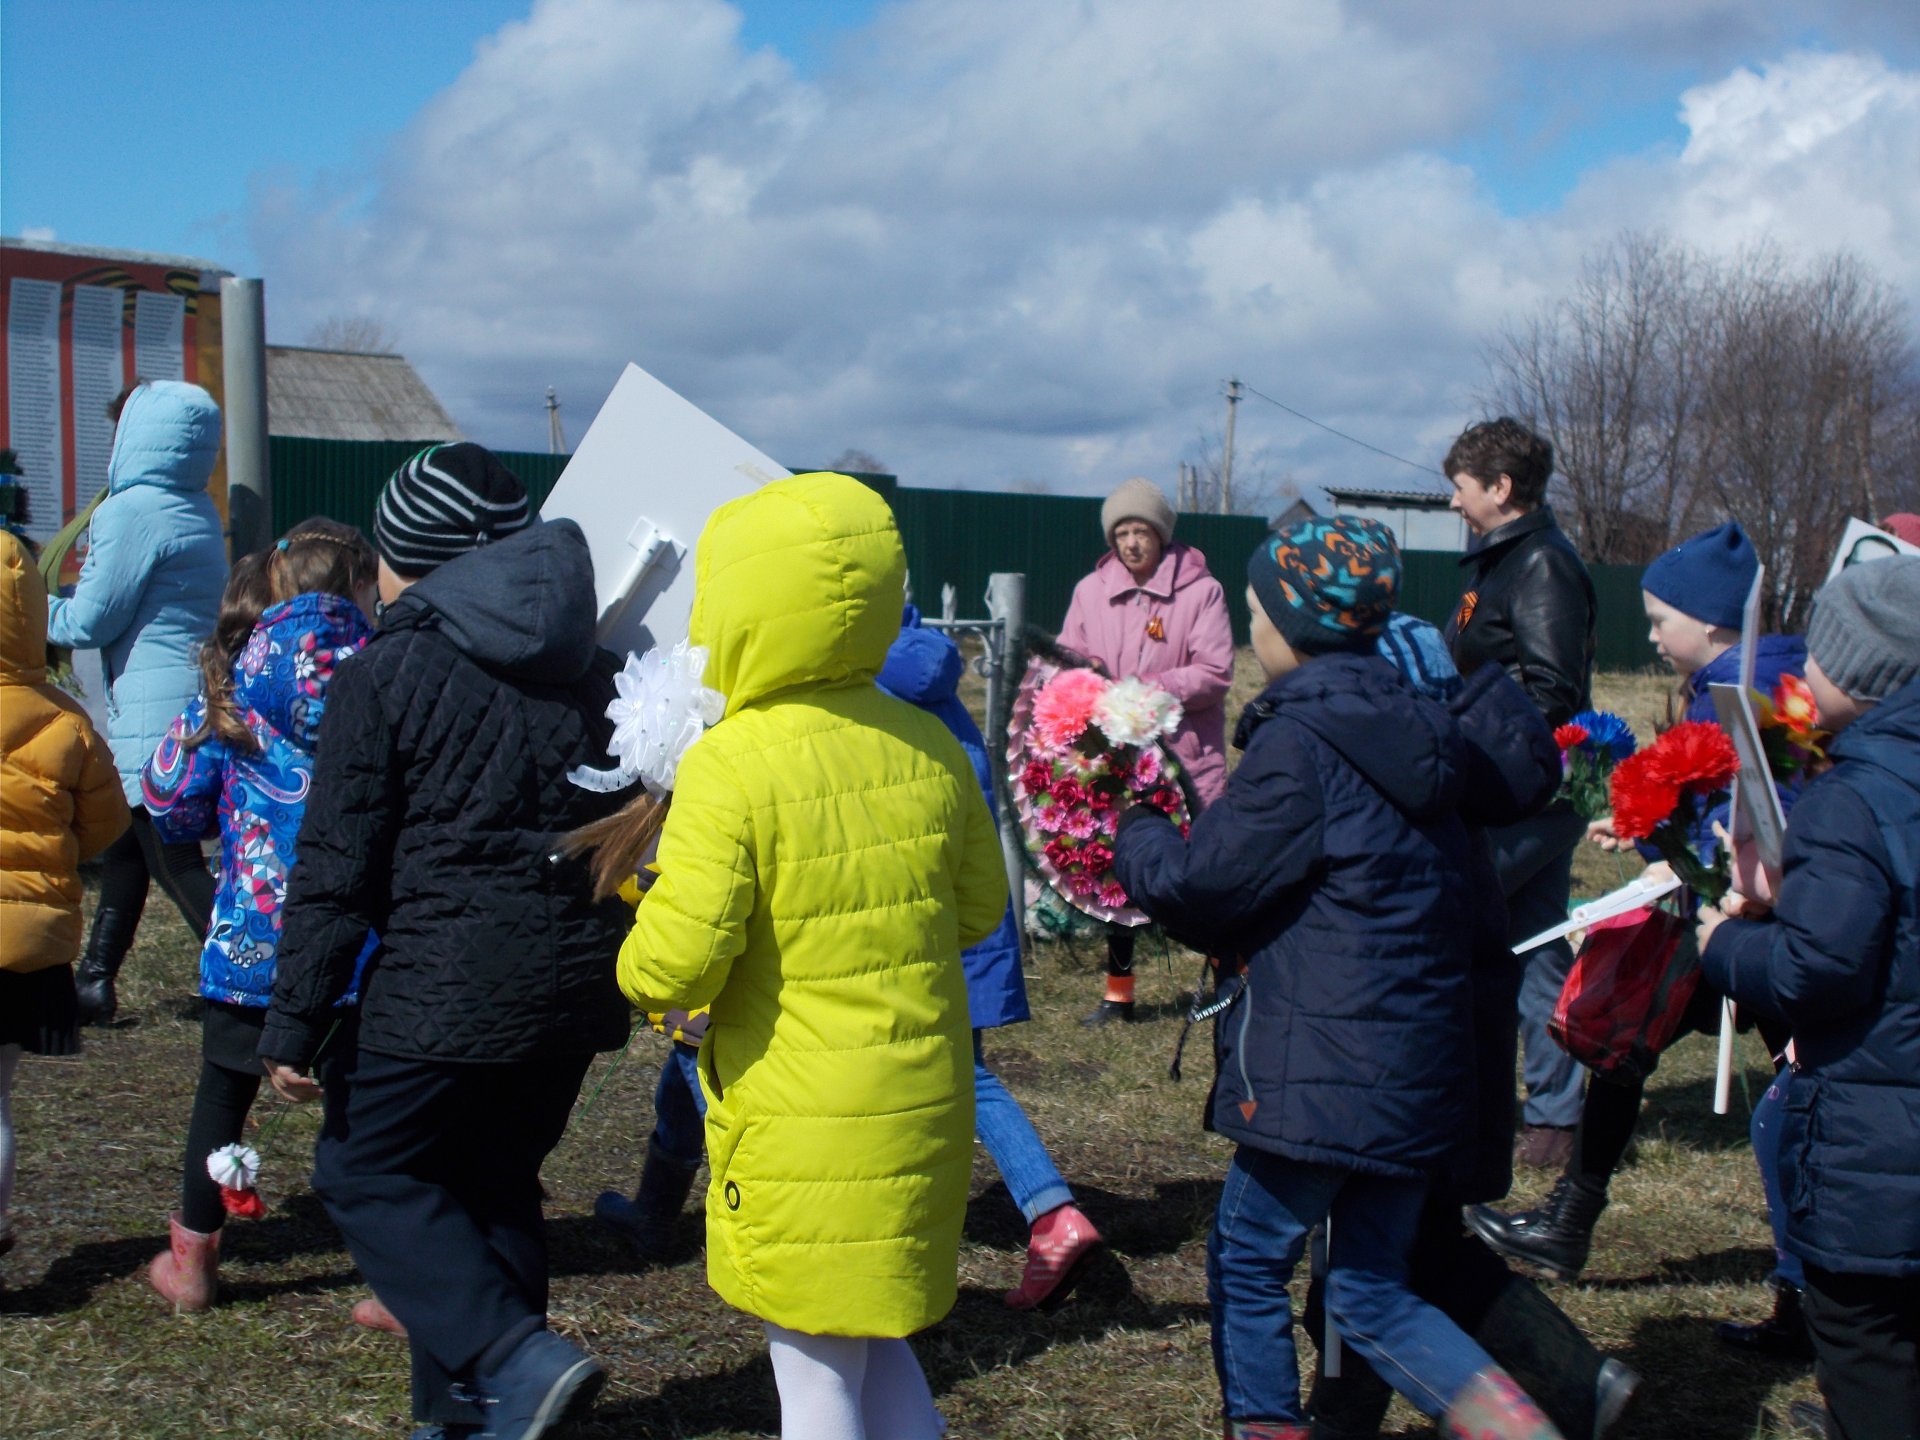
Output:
x=1007 y=604
x=243 y=342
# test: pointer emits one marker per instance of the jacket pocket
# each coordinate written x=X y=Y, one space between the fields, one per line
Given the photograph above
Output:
x=1799 y=1132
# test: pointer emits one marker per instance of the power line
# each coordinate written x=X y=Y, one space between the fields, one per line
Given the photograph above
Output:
x=1341 y=434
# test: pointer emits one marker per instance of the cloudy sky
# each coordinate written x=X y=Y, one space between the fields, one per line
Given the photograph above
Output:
x=990 y=242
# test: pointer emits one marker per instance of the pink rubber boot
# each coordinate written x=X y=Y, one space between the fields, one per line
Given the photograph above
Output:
x=1062 y=1242
x=188 y=1272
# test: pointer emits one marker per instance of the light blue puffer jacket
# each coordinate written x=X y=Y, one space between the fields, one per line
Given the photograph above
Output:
x=156 y=564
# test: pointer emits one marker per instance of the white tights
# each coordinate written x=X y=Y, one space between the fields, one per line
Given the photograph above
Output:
x=835 y=1387
x=9 y=1062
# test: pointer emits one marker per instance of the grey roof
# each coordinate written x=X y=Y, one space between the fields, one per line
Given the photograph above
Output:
x=1381 y=495
x=346 y=395
x=209 y=271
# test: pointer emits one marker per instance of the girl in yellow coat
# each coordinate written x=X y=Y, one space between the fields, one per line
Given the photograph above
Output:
x=60 y=802
x=826 y=858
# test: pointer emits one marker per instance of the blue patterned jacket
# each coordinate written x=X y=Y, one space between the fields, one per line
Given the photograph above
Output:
x=255 y=801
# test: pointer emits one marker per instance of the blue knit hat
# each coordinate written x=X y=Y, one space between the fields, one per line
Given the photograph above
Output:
x=1707 y=577
x=1328 y=584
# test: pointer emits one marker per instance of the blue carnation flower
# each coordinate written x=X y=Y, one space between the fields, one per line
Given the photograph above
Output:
x=1607 y=732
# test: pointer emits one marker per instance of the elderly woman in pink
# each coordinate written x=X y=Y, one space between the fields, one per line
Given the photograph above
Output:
x=1150 y=608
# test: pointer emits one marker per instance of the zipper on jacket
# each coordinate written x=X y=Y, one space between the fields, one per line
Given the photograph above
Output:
x=1240 y=1050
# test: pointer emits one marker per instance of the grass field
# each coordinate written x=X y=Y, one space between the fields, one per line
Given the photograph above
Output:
x=86 y=1349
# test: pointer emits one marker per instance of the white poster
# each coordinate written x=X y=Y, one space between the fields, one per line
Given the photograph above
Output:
x=159 y=328
x=649 y=471
x=33 y=398
x=1862 y=542
x=99 y=370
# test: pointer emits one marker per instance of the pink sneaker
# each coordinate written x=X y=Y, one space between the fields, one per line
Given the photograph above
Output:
x=1062 y=1242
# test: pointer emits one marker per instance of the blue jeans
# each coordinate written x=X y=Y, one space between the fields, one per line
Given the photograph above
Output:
x=1015 y=1146
x=678 y=1106
x=1768 y=1117
x=1266 y=1209
x=1535 y=863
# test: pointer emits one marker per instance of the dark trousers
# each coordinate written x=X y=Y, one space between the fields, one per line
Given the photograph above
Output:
x=1866 y=1345
x=432 y=1172
x=140 y=855
x=1534 y=860
x=220 y=1106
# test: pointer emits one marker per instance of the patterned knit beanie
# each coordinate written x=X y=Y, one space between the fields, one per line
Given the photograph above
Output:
x=445 y=501
x=1866 y=627
x=1138 y=499
x=1328 y=584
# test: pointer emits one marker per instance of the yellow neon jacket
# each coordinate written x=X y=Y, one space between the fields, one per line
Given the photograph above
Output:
x=827 y=856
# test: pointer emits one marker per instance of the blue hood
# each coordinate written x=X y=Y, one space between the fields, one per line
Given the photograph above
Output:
x=169 y=436
x=1888 y=735
x=922 y=667
x=1774 y=656
x=283 y=673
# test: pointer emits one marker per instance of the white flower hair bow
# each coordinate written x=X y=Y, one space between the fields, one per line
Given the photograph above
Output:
x=660 y=710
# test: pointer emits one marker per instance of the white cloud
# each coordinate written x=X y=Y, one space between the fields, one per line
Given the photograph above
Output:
x=1017 y=241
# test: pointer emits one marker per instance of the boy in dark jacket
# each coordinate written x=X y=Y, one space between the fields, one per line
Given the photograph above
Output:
x=1338 y=866
x=440 y=787
x=1839 y=962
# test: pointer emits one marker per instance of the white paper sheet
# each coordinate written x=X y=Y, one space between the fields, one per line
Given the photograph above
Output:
x=1642 y=890
x=99 y=368
x=1861 y=541
x=33 y=399
x=159 y=335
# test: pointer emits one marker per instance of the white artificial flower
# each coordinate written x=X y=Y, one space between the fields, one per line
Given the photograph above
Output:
x=236 y=1167
x=659 y=710
x=1134 y=711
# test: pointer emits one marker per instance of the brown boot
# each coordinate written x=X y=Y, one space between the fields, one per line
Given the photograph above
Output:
x=1493 y=1407
x=188 y=1272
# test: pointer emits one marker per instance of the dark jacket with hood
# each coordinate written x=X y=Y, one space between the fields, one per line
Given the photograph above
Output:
x=440 y=789
x=1337 y=866
x=1529 y=608
x=923 y=668
x=1839 y=961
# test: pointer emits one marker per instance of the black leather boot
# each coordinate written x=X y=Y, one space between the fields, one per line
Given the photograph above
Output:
x=1581 y=1391
x=107 y=946
x=1555 y=1237
x=1781 y=1336
x=1109 y=1011
x=647 y=1220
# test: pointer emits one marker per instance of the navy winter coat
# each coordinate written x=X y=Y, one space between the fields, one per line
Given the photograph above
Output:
x=1338 y=865
x=923 y=668
x=1839 y=961
x=1775 y=656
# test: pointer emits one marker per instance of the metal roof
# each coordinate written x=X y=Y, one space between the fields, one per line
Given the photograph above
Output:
x=207 y=268
x=347 y=395
x=1379 y=495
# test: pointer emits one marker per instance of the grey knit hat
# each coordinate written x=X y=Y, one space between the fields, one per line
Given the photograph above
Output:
x=445 y=501
x=1138 y=499
x=1866 y=627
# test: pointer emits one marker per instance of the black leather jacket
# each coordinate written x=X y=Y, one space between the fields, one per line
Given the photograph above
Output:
x=1529 y=608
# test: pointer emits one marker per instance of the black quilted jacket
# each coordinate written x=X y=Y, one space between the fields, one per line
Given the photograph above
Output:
x=439 y=790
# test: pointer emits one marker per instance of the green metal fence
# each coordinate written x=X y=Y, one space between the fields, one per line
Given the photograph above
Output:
x=959 y=537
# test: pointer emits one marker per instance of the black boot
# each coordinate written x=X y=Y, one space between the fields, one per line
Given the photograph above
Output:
x=1781 y=1336
x=107 y=946
x=1555 y=1237
x=1109 y=1011
x=1350 y=1407
x=647 y=1220
x=1581 y=1391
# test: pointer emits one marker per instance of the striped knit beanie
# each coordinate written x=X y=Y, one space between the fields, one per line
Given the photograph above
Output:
x=445 y=501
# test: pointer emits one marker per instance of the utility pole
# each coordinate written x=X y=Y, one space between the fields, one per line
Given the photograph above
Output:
x=556 y=437
x=1226 y=460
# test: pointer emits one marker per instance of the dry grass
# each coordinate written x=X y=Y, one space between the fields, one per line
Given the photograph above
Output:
x=88 y=1350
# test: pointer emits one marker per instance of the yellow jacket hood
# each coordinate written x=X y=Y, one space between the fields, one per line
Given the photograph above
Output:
x=23 y=615
x=800 y=583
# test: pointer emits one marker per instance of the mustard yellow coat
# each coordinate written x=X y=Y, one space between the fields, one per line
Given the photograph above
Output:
x=60 y=799
x=827 y=856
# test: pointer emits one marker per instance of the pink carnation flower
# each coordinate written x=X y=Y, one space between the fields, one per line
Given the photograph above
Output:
x=1064 y=707
x=1081 y=824
x=1112 y=896
x=1146 y=768
x=1050 y=819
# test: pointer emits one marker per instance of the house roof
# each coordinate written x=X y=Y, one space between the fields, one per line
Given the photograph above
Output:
x=1379 y=495
x=210 y=273
x=347 y=395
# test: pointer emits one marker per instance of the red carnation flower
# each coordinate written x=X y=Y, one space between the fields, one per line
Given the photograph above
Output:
x=1569 y=736
x=1695 y=756
x=1641 y=796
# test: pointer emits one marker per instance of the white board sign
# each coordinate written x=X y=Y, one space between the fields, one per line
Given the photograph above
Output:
x=649 y=471
x=1861 y=542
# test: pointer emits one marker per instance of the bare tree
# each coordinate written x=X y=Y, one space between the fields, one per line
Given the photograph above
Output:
x=858 y=462
x=361 y=334
x=1680 y=390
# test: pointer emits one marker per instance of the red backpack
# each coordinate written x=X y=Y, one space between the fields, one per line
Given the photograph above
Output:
x=1625 y=998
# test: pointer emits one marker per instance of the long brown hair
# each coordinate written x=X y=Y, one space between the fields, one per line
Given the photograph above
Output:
x=617 y=842
x=317 y=555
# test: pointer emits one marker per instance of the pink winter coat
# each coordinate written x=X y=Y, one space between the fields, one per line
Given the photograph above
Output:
x=1111 y=619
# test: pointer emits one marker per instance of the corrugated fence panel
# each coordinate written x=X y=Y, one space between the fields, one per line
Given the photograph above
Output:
x=958 y=538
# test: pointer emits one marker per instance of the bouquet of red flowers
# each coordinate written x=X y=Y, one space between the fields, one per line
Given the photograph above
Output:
x=1081 y=749
x=1790 y=728
x=1664 y=793
x=1591 y=744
